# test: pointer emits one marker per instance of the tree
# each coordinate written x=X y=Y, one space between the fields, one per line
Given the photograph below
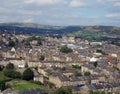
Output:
x=42 y=57
x=11 y=43
x=9 y=66
x=102 y=52
x=12 y=73
x=65 y=49
x=76 y=66
x=87 y=73
x=39 y=41
x=63 y=68
x=77 y=74
x=16 y=41
x=1 y=67
x=63 y=91
x=27 y=43
x=28 y=74
x=2 y=86
x=95 y=64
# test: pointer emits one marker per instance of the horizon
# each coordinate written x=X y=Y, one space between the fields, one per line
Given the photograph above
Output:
x=61 y=12
x=57 y=25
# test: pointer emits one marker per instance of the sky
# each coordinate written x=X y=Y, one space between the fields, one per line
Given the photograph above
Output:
x=61 y=12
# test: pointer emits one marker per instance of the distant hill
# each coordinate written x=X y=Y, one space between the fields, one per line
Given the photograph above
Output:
x=98 y=32
x=31 y=28
x=85 y=32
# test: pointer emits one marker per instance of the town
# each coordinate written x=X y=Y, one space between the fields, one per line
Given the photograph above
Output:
x=58 y=64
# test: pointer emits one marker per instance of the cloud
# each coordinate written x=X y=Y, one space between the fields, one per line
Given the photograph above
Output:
x=77 y=3
x=28 y=20
x=115 y=15
x=87 y=3
x=75 y=16
x=43 y=2
x=61 y=12
x=30 y=12
x=116 y=4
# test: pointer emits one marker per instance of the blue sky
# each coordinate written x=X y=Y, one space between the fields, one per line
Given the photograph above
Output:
x=61 y=12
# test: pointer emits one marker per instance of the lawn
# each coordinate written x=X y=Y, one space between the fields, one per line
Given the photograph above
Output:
x=21 y=84
x=25 y=85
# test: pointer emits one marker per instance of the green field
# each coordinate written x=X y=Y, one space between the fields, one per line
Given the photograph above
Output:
x=20 y=84
x=25 y=85
x=2 y=77
x=87 y=35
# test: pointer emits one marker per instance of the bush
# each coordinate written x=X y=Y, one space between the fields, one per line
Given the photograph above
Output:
x=9 y=66
x=63 y=91
x=42 y=57
x=11 y=43
x=12 y=73
x=95 y=64
x=63 y=68
x=87 y=73
x=2 y=86
x=76 y=66
x=65 y=49
x=28 y=74
x=100 y=51
x=38 y=39
x=1 y=67
x=36 y=82
x=39 y=42
x=77 y=74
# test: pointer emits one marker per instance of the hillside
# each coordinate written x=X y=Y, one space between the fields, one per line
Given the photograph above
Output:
x=98 y=32
x=85 y=32
x=31 y=28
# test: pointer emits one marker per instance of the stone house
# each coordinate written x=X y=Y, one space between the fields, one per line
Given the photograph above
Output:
x=59 y=80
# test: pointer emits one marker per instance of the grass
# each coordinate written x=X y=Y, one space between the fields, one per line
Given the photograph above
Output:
x=2 y=77
x=19 y=84
x=90 y=35
x=25 y=85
